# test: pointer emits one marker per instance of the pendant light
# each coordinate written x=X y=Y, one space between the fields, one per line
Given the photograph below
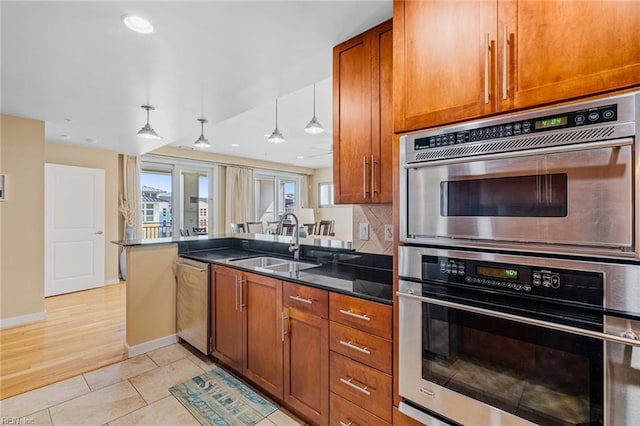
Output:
x=147 y=131
x=314 y=127
x=276 y=136
x=202 y=142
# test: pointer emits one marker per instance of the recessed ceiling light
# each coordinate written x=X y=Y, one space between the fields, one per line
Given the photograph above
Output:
x=235 y=145
x=137 y=24
x=65 y=136
x=91 y=140
x=299 y=157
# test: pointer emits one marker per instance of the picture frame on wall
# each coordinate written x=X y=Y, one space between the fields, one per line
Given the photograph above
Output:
x=2 y=190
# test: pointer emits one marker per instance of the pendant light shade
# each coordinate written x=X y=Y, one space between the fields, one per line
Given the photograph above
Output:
x=202 y=142
x=314 y=127
x=147 y=131
x=276 y=136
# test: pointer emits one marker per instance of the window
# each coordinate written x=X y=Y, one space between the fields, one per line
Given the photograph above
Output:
x=275 y=195
x=156 y=202
x=181 y=194
x=325 y=194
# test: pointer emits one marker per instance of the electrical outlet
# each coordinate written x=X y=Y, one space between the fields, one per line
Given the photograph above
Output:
x=388 y=232
x=364 y=231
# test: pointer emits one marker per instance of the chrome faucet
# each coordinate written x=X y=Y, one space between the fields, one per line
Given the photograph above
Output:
x=295 y=239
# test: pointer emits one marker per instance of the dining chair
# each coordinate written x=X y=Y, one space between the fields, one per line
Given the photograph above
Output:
x=255 y=228
x=310 y=227
x=237 y=227
x=325 y=227
x=287 y=229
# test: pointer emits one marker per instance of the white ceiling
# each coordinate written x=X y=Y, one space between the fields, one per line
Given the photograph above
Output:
x=75 y=65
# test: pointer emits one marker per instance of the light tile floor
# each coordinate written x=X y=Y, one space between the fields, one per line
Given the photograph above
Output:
x=131 y=392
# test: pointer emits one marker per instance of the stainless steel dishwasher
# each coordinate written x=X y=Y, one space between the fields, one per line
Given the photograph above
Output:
x=192 y=298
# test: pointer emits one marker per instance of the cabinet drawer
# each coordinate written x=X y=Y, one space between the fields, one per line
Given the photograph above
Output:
x=344 y=413
x=305 y=298
x=372 y=317
x=371 y=350
x=362 y=385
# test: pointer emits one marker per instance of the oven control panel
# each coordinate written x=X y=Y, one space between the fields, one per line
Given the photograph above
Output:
x=577 y=118
x=560 y=284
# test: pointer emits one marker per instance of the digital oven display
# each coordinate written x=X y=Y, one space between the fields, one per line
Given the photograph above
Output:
x=485 y=271
x=549 y=122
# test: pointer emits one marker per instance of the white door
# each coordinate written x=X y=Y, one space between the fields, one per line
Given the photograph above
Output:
x=74 y=228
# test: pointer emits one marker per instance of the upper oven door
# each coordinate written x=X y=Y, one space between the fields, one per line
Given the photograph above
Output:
x=576 y=196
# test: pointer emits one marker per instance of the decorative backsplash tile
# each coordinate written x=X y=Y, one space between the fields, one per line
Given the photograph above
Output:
x=376 y=215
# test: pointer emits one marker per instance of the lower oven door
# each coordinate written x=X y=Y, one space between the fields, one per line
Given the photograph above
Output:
x=478 y=369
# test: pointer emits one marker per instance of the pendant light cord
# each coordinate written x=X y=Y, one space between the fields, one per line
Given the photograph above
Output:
x=314 y=99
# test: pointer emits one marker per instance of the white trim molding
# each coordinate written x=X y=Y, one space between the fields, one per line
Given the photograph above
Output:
x=112 y=281
x=22 y=319
x=151 y=345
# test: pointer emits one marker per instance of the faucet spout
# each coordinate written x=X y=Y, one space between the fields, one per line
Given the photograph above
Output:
x=295 y=238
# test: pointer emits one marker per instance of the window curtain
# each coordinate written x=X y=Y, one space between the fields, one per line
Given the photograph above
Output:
x=304 y=191
x=240 y=199
x=130 y=197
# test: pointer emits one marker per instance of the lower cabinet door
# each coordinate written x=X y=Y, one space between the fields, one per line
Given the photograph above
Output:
x=364 y=386
x=306 y=365
x=261 y=305
x=345 y=413
x=226 y=317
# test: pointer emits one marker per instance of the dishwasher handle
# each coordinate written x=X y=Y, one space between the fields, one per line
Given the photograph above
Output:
x=186 y=265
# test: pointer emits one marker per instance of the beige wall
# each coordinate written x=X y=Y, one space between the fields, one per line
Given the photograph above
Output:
x=71 y=155
x=171 y=151
x=21 y=217
x=151 y=292
x=342 y=214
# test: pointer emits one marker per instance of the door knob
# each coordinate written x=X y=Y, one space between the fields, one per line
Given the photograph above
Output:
x=98 y=233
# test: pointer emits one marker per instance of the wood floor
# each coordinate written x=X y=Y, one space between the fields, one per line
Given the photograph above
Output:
x=83 y=331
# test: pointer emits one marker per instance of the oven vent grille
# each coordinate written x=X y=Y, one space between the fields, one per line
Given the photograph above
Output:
x=515 y=144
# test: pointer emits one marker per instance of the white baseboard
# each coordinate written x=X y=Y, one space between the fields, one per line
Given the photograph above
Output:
x=111 y=282
x=22 y=319
x=145 y=347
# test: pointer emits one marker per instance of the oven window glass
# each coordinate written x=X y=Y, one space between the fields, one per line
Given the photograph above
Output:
x=544 y=376
x=519 y=196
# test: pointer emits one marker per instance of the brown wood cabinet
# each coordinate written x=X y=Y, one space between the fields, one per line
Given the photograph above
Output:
x=247 y=317
x=306 y=352
x=344 y=412
x=360 y=359
x=459 y=60
x=226 y=318
x=362 y=117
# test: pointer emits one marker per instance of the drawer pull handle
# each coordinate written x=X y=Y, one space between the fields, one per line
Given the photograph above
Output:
x=349 y=382
x=353 y=314
x=301 y=299
x=350 y=345
x=345 y=424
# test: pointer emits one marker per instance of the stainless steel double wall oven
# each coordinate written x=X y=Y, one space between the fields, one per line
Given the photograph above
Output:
x=519 y=294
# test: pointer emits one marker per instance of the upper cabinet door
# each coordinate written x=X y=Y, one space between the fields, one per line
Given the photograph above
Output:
x=382 y=115
x=362 y=117
x=459 y=60
x=443 y=56
x=352 y=121
x=557 y=50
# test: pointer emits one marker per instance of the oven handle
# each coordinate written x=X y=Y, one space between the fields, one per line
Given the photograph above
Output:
x=529 y=321
x=613 y=143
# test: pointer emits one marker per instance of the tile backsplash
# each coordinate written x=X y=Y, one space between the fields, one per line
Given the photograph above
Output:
x=377 y=216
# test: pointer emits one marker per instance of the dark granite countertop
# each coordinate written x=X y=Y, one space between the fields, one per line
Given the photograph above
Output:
x=367 y=276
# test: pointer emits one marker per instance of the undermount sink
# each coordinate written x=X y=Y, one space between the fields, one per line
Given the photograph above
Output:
x=271 y=264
